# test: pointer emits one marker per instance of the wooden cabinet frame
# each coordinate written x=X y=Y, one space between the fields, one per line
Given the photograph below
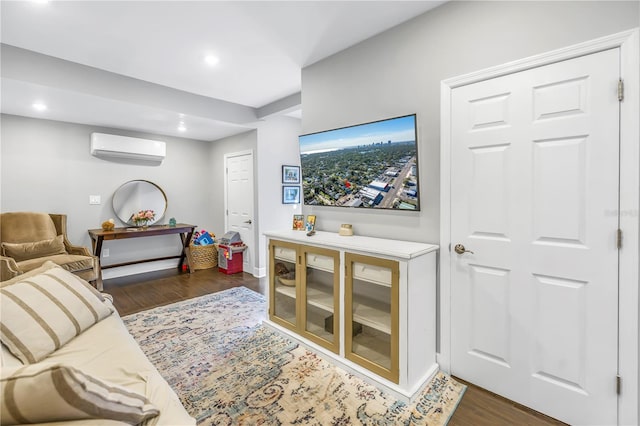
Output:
x=273 y=314
x=335 y=345
x=302 y=292
x=402 y=272
x=391 y=373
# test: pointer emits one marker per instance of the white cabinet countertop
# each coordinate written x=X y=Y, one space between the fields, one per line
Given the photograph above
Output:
x=382 y=246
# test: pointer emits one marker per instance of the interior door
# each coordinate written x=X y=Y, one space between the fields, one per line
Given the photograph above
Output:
x=239 y=202
x=534 y=191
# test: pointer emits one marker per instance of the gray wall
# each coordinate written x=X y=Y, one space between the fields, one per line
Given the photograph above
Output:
x=278 y=145
x=215 y=188
x=46 y=166
x=273 y=143
x=237 y=143
x=399 y=72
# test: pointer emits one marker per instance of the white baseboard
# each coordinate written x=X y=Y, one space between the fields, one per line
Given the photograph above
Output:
x=260 y=272
x=140 y=268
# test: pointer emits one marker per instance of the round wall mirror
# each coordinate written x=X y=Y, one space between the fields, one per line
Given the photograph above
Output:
x=137 y=195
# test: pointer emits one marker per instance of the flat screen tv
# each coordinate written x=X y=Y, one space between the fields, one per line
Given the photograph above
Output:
x=370 y=165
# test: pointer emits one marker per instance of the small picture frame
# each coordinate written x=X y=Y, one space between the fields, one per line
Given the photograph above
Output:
x=290 y=194
x=298 y=222
x=310 y=224
x=290 y=174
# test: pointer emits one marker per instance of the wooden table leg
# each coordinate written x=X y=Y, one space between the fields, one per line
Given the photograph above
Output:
x=97 y=246
x=186 y=239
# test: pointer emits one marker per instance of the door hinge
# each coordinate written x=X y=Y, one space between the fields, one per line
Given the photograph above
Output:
x=618 y=384
x=619 y=238
x=620 y=90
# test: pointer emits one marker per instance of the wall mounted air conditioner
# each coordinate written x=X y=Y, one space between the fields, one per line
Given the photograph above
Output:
x=114 y=146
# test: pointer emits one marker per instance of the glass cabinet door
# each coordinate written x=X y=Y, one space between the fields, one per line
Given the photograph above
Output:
x=320 y=293
x=284 y=286
x=371 y=311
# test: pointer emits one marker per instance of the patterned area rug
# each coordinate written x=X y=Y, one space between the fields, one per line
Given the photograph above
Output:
x=228 y=369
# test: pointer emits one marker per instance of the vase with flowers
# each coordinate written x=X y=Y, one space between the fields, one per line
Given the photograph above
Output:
x=143 y=217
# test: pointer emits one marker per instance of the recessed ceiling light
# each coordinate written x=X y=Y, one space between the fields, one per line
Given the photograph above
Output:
x=40 y=1
x=182 y=127
x=211 y=60
x=39 y=106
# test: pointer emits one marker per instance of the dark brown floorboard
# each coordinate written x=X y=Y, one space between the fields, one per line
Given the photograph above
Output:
x=136 y=293
x=139 y=292
x=481 y=407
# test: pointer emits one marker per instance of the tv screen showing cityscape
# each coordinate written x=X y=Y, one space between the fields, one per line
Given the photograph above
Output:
x=370 y=165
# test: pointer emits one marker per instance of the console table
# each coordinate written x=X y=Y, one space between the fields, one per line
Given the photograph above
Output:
x=182 y=229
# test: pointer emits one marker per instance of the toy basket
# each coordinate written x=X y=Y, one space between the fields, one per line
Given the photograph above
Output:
x=203 y=257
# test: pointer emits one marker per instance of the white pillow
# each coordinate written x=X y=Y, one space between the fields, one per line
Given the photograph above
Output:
x=43 y=312
x=45 y=267
x=42 y=392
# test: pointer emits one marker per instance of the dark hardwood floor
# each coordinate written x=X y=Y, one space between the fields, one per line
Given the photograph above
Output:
x=139 y=292
x=136 y=293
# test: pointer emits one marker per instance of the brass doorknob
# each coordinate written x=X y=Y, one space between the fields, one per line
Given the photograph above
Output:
x=459 y=248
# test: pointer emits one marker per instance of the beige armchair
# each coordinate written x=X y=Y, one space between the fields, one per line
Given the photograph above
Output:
x=28 y=239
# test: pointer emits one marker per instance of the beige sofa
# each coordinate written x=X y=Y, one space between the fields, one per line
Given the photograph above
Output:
x=104 y=352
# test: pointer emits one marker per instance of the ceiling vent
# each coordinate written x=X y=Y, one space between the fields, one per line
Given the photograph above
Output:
x=114 y=146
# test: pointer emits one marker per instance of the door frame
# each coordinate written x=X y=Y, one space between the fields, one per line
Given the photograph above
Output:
x=629 y=210
x=254 y=269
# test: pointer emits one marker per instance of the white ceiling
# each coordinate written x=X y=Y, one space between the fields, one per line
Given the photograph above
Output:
x=262 y=47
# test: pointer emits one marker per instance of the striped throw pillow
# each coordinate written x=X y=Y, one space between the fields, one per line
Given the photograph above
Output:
x=42 y=392
x=43 y=312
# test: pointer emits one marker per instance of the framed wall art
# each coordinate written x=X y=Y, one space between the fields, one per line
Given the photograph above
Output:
x=290 y=194
x=290 y=174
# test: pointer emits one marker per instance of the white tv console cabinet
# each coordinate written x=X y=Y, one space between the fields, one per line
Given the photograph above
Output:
x=367 y=304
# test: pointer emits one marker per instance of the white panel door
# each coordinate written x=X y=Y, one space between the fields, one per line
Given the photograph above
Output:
x=534 y=188
x=240 y=202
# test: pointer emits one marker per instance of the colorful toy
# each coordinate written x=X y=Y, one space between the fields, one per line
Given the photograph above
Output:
x=203 y=238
